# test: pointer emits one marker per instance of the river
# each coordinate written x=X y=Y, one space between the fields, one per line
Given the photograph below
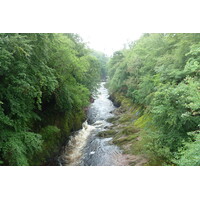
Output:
x=85 y=148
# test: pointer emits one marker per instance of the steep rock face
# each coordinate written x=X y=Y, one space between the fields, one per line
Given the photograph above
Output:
x=113 y=98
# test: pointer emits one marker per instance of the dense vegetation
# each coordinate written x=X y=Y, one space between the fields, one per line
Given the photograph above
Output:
x=45 y=84
x=161 y=74
x=46 y=81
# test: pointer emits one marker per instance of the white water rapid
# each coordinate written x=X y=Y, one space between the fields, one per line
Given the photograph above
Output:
x=85 y=148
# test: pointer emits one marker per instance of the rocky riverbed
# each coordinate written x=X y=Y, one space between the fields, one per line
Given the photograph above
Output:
x=123 y=131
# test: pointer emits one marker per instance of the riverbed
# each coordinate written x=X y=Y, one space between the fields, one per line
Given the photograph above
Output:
x=85 y=147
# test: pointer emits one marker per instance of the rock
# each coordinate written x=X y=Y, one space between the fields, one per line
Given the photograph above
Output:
x=112 y=119
x=108 y=133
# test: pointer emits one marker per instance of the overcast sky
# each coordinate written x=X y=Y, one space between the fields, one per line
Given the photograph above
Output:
x=108 y=42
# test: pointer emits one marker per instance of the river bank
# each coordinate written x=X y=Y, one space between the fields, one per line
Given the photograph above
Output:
x=125 y=132
x=87 y=147
x=109 y=136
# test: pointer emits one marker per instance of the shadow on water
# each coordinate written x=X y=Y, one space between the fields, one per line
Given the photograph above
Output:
x=85 y=148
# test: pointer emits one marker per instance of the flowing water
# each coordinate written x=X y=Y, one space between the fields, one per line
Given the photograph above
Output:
x=85 y=148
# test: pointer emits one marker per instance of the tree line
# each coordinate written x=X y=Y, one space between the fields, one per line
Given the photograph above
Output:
x=161 y=73
x=46 y=81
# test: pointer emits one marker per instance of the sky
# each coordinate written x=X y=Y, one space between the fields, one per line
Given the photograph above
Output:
x=108 y=42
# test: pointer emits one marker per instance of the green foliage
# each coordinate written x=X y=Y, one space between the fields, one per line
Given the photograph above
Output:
x=161 y=73
x=189 y=155
x=152 y=146
x=19 y=148
x=41 y=76
x=103 y=60
x=51 y=136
